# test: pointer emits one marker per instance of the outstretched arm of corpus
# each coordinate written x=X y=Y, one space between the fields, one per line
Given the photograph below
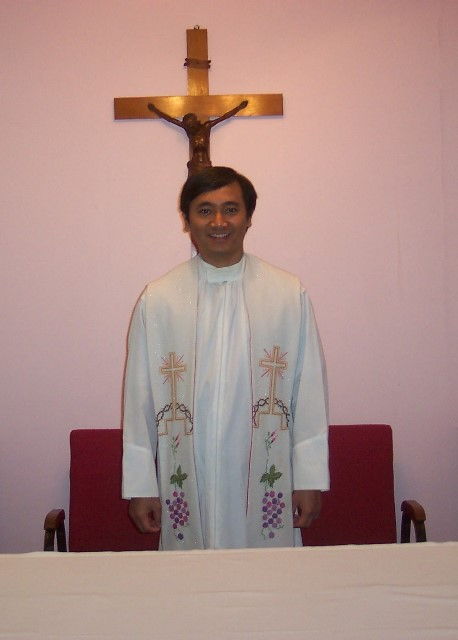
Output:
x=229 y=114
x=161 y=114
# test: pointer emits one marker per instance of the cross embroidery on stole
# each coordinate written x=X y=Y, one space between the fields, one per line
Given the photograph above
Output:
x=172 y=369
x=274 y=365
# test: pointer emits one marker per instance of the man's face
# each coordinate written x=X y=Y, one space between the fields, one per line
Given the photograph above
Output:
x=218 y=222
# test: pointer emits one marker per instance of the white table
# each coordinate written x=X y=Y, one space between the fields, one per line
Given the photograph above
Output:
x=367 y=593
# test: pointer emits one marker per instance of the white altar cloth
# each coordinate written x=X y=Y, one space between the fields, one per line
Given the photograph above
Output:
x=371 y=592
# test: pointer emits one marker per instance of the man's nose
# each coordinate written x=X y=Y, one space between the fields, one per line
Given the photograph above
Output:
x=218 y=219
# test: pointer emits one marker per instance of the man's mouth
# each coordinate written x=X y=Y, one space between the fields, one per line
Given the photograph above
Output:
x=219 y=235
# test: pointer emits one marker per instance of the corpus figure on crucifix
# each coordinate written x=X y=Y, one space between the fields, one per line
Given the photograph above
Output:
x=198 y=134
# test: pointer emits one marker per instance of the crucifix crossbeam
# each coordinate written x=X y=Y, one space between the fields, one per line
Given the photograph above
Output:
x=199 y=102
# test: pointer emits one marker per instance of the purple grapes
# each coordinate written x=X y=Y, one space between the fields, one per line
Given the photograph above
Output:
x=272 y=510
x=178 y=512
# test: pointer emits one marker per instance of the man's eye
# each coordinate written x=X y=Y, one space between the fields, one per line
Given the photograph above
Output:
x=205 y=211
x=231 y=210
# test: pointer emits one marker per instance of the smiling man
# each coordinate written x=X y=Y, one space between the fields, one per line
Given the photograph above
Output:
x=218 y=221
x=225 y=417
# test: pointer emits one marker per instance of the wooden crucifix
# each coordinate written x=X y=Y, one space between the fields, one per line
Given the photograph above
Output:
x=199 y=111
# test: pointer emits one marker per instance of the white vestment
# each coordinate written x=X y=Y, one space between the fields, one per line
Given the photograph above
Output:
x=222 y=406
x=226 y=460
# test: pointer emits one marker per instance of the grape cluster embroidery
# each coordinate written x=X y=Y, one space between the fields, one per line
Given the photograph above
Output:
x=273 y=504
x=177 y=506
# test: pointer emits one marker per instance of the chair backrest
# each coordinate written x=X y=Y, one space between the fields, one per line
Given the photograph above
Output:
x=98 y=518
x=359 y=508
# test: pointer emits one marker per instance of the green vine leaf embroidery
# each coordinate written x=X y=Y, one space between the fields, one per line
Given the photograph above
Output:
x=271 y=476
x=179 y=477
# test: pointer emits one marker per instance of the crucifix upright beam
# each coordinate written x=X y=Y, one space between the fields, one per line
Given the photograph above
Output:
x=199 y=101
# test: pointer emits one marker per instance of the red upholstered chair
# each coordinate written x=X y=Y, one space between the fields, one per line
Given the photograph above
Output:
x=98 y=518
x=359 y=509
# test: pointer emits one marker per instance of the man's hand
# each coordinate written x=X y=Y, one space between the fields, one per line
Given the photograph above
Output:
x=306 y=507
x=146 y=514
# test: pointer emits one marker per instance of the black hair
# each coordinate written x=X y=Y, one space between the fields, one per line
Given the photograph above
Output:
x=212 y=178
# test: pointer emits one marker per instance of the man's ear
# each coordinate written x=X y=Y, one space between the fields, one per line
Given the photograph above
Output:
x=185 y=223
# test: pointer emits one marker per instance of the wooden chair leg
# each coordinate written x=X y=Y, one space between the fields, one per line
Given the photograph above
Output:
x=413 y=513
x=55 y=528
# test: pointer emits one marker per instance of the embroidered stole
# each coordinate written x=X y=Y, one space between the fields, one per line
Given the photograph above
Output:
x=273 y=304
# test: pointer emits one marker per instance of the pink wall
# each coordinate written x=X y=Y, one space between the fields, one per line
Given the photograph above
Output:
x=358 y=191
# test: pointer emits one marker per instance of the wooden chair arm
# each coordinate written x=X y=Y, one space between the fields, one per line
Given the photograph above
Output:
x=54 y=526
x=413 y=512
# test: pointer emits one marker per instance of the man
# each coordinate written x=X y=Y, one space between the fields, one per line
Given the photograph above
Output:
x=225 y=420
